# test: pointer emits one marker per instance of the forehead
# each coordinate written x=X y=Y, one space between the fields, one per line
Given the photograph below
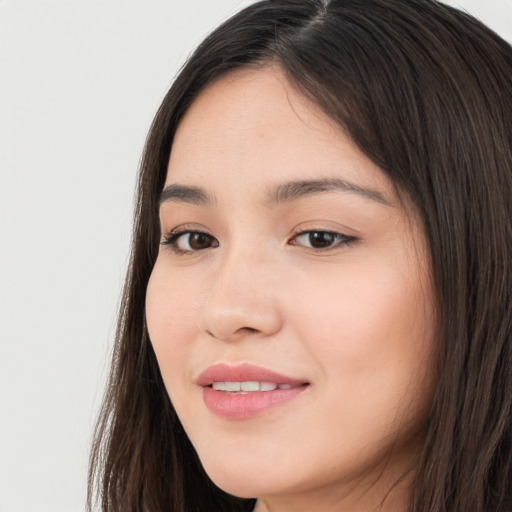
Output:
x=253 y=126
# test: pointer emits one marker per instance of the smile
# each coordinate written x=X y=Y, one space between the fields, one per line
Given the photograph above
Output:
x=244 y=391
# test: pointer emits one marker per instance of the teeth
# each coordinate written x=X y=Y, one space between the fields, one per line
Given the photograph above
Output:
x=233 y=386
x=249 y=386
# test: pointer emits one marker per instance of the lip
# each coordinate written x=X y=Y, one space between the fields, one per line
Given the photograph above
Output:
x=242 y=373
x=238 y=406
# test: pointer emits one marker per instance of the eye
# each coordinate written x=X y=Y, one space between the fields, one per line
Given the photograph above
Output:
x=189 y=241
x=321 y=240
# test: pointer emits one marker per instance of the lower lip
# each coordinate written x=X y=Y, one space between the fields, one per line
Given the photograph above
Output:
x=238 y=406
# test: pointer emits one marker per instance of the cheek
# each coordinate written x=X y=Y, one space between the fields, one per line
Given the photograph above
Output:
x=171 y=322
x=370 y=328
x=378 y=300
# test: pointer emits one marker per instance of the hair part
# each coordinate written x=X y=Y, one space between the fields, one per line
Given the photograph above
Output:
x=424 y=91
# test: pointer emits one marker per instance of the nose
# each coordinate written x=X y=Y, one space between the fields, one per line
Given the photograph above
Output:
x=243 y=299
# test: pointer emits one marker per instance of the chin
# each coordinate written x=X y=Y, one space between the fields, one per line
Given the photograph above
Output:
x=247 y=480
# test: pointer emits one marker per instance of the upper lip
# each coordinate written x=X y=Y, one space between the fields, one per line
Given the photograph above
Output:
x=244 y=372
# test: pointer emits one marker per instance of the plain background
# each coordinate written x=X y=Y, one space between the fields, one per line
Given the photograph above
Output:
x=79 y=84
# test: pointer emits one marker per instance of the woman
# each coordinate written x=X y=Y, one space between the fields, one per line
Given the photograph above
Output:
x=317 y=312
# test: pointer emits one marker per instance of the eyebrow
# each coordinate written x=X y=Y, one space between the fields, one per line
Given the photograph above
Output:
x=282 y=193
x=185 y=194
x=293 y=190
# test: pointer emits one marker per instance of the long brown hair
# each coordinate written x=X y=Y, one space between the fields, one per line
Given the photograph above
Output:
x=425 y=91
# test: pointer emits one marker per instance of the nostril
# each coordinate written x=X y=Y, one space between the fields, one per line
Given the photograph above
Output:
x=242 y=330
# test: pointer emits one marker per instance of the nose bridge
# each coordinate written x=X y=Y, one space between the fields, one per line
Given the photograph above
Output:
x=243 y=295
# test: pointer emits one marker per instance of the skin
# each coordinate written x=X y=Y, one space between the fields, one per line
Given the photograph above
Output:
x=355 y=319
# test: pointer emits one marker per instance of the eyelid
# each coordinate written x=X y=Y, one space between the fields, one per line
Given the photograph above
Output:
x=184 y=228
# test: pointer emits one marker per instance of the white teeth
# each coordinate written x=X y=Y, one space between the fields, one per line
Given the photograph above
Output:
x=232 y=386
x=248 y=386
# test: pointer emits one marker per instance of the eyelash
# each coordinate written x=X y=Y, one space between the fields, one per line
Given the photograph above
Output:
x=172 y=239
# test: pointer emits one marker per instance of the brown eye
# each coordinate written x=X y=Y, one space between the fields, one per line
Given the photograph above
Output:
x=190 y=241
x=319 y=240
x=199 y=241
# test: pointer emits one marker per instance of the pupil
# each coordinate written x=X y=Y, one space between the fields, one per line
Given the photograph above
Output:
x=199 y=241
x=319 y=239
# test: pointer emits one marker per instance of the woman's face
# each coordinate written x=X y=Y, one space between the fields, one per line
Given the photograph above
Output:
x=287 y=260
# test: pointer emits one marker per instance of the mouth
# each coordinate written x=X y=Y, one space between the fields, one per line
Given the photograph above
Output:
x=245 y=391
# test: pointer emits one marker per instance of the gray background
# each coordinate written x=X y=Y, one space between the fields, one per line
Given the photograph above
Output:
x=79 y=84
